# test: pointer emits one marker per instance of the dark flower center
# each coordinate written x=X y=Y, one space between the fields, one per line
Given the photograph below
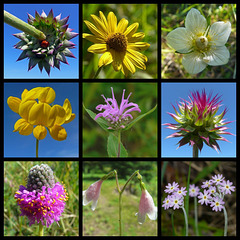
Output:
x=118 y=42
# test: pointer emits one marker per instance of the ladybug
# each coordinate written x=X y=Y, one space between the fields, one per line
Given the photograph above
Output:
x=44 y=44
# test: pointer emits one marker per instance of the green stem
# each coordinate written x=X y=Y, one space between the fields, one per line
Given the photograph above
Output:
x=226 y=221
x=120 y=213
x=195 y=151
x=119 y=143
x=173 y=223
x=23 y=26
x=40 y=229
x=37 y=143
x=98 y=71
x=186 y=220
x=196 y=216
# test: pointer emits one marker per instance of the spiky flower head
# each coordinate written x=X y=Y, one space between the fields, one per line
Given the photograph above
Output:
x=197 y=122
x=43 y=202
x=40 y=176
x=51 y=51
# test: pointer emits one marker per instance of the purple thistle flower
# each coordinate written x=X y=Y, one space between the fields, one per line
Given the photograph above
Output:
x=226 y=187
x=46 y=206
x=204 y=197
x=118 y=117
x=217 y=204
x=197 y=122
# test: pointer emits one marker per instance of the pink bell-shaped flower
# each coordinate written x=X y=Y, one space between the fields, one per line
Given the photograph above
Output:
x=92 y=194
x=146 y=206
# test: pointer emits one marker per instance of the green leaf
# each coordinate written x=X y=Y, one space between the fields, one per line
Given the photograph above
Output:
x=112 y=147
x=100 y=121
x=138 y=118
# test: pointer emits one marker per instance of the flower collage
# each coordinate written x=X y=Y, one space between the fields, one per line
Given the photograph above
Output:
x=80 y=84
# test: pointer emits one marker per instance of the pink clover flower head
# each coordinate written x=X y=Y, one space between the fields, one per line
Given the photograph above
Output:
x=198 y=122
x=176 y=201
x=146 y=206
x=117 y=116
x=217 y=204
x=217 y=179
x=205 y=197
x=226 y=187
x=171 y=187
x=193 y=190
x=92 y=194
x=46 y=206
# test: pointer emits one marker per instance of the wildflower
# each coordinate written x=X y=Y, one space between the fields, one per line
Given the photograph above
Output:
x=181 y=191
x=217 y=179
x=40 y=113
x=202 y=45
x=51 y=51
x=226 y=187
x=43 y=199
x=193 y=190
x=207 y=183
x=119 y=44
x=92 y=194
x=171 y=187
x=212 y=189
x=118 y=117
x=217 y=204
x=176 y=201
x=204 y=197
x=146 y=206
x=167 y=202
x=197 y=122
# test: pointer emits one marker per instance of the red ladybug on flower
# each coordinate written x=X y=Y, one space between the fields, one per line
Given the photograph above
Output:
x=44 y=44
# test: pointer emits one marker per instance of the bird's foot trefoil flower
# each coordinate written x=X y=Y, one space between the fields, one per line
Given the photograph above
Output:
x=118 y=43
x=42 y=200
x=201 y=45
x=51 y=51
x=117 y=115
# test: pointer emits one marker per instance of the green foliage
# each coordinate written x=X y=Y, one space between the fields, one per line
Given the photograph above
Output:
x=15 y=174
x=173 y=16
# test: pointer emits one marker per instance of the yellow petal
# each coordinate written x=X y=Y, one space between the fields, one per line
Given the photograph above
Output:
x=94 y=30
x=25 y=107
x=131 y=30
x=122 y=25
x=58 y=133
x=13 y=103
x=104 y=20
x=129 y=65
x=23 y=127
x=100 y=25
x=138 y=55
x=138 y=46
x=57 y=115
x=105 y=59
x=68 y=109
x=47 y=95
x=136 y=61
x=32 y=94
x=25 y=91
x=40 y=132
x=71 y=118
x=39 y=114
x=117 y=59
x=98 y=48
x=136 y=37
x=112 y=22
x=93 y=38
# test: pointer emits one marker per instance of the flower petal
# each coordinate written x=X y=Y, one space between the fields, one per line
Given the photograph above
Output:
x=100 y=25
x=122 y=25
x=23 y=127
x=129 y=65
x=105 y=59
x=136 y=61
x=94 y=30
x=58 y=133
x=136 y=37
x=193 y=62
x=98 y=48
x=131 y=30
x=93 y=38
x=40 y=132
x=219 y=33
x=112 y=22
x=180 y=40
x=138 y=46
x=217 y=56
x=195 y=22
x=13 y=103
x=57 y=115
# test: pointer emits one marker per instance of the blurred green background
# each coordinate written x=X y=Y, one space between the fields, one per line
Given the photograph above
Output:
x=141 y=139
x=104 y=220
x=210 y=223
x=173 y=16
x=145 y=15
x=15 y=174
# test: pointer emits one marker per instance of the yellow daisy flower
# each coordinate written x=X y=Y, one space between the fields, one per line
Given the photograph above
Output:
x=119 y=44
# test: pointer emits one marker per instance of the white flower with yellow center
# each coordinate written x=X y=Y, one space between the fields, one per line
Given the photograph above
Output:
x=203 y=45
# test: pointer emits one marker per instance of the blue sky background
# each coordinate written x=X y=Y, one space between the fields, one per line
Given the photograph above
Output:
x=171 y=93
x=16 y=145
x=13 y=69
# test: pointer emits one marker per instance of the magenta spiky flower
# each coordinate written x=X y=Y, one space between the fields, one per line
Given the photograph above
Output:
x=51 y=51
x=46 y=202
x=197 y=122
